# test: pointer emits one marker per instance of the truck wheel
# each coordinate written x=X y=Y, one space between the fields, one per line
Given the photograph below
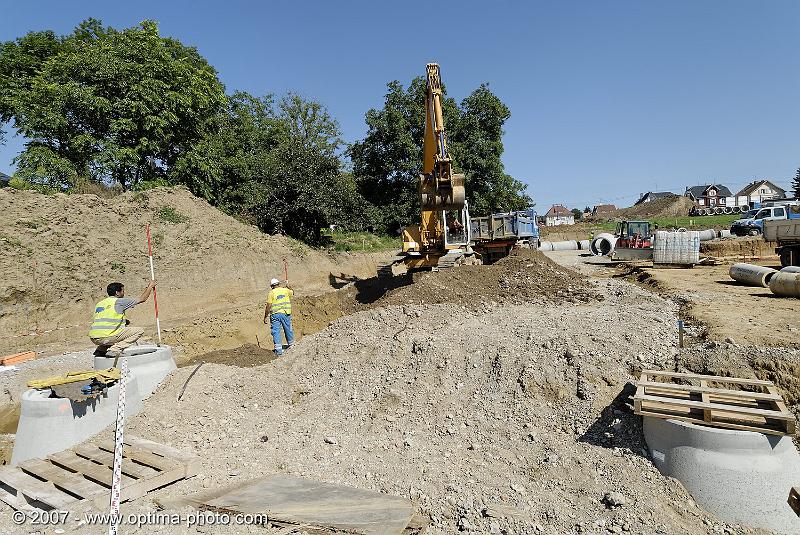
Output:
x=790 y=256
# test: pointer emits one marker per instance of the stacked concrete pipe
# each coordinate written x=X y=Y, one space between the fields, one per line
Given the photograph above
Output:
x=568 y=245
x=752 y=275
x=785 y=283
x=584 y=245
x=743 y=477
x=790 y=269
x=603 y=244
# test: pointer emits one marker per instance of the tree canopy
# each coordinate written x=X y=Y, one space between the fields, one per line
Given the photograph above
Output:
x=387 y=162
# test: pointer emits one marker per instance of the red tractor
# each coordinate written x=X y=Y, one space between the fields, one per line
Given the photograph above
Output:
x=634 y=241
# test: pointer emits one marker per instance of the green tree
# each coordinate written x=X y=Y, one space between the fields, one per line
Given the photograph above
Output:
x=796 y=184
x=106 y=105
x=387 y=162
x=576 y=212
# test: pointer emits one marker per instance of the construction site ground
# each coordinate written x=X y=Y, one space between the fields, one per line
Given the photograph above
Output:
x=494 y=397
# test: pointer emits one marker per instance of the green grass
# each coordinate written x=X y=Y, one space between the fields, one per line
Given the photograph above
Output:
x=118 y=266
x=360 y=242
x=688 y=222
x=168 y=214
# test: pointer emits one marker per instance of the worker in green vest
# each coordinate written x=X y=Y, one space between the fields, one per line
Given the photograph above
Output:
x=278 y=313
x=110 y=329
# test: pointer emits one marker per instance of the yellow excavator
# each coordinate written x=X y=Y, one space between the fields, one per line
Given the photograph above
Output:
x=443 y=235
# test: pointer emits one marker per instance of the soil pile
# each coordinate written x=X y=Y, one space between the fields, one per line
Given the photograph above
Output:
x=525 y=276
x=675 y=206
x=507 y=420
x=739 y=248
x=58 y=253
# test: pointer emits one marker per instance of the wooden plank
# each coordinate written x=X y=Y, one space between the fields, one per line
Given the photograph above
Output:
x=17 y=502
x=794 y=500
x=35 y=489
x=781 y=406
x=96 y=472
x=713 y=398
x=63 y=479
x=160 y=449
x=778 y=415
x=637 y=402
x=727 y=425
x=713 y=378
x=133 y=489
x=705 y=398
x=16 y=358
x=158 y=462
x=692 y=412
x=93 y=453
x=710 y=389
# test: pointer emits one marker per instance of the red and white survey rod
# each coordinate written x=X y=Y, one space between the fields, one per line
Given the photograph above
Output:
x=152 y=278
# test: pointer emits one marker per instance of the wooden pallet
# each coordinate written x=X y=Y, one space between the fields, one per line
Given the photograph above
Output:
x=743 y=404
x=80 y=478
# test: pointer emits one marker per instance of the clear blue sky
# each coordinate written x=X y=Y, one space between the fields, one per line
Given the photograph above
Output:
x=608 y=99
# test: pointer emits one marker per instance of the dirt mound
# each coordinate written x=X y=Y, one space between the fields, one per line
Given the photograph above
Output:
x=244 y=356
x=676 y=206
x=58 y=253
x=746 y=248
x=524 y=276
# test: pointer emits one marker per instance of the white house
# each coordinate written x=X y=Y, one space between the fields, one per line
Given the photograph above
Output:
x=759 y=191
x=558 y=214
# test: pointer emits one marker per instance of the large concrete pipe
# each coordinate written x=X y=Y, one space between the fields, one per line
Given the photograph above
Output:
x=545 y=246
x=737 y=209
x=743 y=477
x=752 y=275
x=719 y=210
x=708 y=234
x=584 y=245
x=728 y=210
x=725 y=233
x=790 y=269
x=151 y=364
x=603 y=244
x=568 y=245
x=785 y=283
x=48 y=424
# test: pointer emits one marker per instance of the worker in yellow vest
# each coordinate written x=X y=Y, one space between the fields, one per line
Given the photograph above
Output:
x=278 y=313
x=110 y=331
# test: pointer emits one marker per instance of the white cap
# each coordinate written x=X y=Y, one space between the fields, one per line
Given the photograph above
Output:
x=274 y=282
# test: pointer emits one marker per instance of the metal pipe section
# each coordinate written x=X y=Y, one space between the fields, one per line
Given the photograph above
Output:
x=603 y=244
x=752 y=275
x=785 y=283
x=568 y=245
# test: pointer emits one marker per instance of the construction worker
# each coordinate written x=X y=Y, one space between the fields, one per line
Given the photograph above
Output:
x=110 y=331
x=278 y=313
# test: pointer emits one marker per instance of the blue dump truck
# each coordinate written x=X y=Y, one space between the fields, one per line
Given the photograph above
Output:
x=752 y=222
x=494 y=236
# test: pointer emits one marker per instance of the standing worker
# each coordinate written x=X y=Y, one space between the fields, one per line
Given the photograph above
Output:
x=278 y=313
x=109 y=330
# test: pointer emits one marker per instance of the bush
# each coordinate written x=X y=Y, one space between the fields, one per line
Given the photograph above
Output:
x=168 y=214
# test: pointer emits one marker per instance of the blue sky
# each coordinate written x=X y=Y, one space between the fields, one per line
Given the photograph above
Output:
x=608 y=98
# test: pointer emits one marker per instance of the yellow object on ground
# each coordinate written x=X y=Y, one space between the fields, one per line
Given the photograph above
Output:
x=104 y=376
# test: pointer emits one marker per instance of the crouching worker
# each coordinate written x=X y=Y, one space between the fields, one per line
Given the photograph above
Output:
x=278 y=313
x=110 y=331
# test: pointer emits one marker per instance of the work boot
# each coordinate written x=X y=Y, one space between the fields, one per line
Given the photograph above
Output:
x=100 y=352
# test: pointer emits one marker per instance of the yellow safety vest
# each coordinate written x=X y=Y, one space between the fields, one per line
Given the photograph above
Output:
x=281 y=301
x=106 y=320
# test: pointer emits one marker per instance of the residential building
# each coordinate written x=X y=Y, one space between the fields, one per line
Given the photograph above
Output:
x=710 y=195
x=558 y=214
x=603 y=209
x=651 y=196
x=759 y=191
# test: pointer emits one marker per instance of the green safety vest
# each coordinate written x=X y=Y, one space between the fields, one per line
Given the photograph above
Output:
x=106 y=320
x=281 y=301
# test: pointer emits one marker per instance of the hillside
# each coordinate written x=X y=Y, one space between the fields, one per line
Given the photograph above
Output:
x=677 y=206
x=60 y=251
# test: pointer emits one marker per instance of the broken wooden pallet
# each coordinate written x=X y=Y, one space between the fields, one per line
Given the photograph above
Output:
x=742 y=404
x=80 y=478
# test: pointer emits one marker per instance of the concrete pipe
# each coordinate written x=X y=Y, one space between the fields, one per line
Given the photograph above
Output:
x=725 y=233
x=728 y=210
x=752 y=275
x=150 y=363
x=47 y=424
x=584 y=245
x=785 y=283
x=603 y=244
x=708 y=234
x=568 y=245
x=705 y=211
x=719 y=210
x=790 y=269
x=747 y=465
x=545 y=246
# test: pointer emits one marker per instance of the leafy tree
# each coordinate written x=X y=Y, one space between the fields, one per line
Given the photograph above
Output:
x=577 y=213
x=387 y=162
x=796 y=184
x=106 y=105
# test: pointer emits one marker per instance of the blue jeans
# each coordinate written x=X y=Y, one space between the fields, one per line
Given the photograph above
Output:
x=280 y=322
